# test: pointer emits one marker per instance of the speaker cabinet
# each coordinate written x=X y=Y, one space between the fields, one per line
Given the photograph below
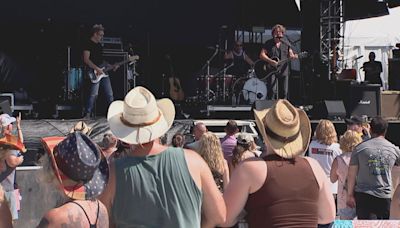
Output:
x=329 y=109
x=394 y=74
x=6 y=103
x=390 y=104
x=363 y=100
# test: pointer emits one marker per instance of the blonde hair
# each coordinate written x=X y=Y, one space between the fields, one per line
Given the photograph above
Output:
x=211 y=151
x=325 y=132
x=349 y=140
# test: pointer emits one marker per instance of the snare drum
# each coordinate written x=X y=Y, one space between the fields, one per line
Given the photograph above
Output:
x=75 y=78
x=254 y=89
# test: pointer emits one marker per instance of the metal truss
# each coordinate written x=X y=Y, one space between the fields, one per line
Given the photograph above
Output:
x=331 y=33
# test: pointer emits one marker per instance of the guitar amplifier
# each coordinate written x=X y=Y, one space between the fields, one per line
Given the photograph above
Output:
x=363 y=99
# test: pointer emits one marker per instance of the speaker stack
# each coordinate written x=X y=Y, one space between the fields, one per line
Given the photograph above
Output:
x=361 y=99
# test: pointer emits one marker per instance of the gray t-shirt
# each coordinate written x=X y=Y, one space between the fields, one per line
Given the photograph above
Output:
x=375 y=159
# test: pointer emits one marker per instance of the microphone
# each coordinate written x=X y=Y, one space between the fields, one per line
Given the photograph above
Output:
x=359 y=57
x=259 y=95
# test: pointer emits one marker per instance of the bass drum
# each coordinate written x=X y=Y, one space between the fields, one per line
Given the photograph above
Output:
x=254 y=89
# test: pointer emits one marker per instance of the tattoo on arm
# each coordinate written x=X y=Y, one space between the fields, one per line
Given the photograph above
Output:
x=73 y=221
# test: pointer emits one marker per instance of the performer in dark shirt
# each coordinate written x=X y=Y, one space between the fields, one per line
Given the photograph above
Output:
x=241 y=61
x=93 y=59
x=373 y=70
x=274 y=52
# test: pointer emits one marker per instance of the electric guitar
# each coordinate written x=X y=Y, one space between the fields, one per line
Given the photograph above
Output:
x=175 y=89
x=264 y=70
x=95 y=77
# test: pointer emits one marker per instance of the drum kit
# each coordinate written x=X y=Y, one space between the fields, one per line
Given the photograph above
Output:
x=222 y=88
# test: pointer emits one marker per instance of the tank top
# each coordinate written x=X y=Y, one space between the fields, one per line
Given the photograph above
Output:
x=288 y=197
x=156 y=191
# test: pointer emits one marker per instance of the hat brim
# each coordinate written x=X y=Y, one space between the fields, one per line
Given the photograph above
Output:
x=86 y=129
x=90 y=189
x=12 y=142
x=283 y=149
x=140 y=135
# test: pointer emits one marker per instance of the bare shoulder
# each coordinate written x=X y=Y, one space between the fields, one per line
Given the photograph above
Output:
x=64 y=216
x=194 y=159
x=317 y=170
x=252 y=171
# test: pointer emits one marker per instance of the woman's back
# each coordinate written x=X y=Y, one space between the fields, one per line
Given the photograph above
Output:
x=288 y=197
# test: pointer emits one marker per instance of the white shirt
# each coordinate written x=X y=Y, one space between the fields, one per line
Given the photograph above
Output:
x=325 y=154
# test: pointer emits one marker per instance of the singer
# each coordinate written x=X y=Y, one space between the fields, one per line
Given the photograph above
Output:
x=275 y=53
x=241 y=61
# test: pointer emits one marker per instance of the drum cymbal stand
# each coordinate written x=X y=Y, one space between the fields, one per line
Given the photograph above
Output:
x=207 y=65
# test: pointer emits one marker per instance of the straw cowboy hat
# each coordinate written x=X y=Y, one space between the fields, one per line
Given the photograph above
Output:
x=78 y=165
x=139 y=118
x=285 y=128
x=82 y=127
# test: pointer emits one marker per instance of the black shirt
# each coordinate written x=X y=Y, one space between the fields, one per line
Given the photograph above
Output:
x=96 y=51
x=373 y=71
x=282 y=53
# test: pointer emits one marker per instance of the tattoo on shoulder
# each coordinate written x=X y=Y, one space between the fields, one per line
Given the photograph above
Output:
x=44 y=223
x=73 y=220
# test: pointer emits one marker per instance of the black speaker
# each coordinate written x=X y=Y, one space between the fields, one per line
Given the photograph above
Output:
x=5 y=106
x=363 y=100
x=329 y=109
x=262 y=104
x=394 y=74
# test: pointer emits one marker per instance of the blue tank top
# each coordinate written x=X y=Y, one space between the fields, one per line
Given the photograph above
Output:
x=156 y=191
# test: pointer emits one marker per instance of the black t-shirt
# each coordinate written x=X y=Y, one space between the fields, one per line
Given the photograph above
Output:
x=96 y=52
x=282 y=53
x=372 y=72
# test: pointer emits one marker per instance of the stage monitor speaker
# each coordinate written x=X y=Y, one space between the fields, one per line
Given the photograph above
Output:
x=5 y=106
x=390 y=104
x=329 y=109
x=262 y=104
x=363 y=99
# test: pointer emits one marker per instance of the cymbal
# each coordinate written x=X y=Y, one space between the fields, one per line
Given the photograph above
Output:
x=215 y=48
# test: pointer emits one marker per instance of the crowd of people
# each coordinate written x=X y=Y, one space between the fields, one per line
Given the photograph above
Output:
x=131 y=179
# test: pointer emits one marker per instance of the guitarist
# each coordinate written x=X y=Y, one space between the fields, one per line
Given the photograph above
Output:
x=93 y=58
x=275 y=50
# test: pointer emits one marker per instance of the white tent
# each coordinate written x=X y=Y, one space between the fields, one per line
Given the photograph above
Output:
x=379 y=34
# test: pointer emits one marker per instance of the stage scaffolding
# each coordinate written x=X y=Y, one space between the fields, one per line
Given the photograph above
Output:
x=331 y=33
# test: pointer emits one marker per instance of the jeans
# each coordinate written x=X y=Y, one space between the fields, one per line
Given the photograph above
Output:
x=277 y=84
x=105 y=84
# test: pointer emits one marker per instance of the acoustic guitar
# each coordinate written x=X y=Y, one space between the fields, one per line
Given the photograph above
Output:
x=175 y=89
x=264 y=70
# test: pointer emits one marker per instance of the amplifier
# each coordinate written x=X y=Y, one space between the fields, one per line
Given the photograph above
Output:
x=363 y=99
x=390 y=104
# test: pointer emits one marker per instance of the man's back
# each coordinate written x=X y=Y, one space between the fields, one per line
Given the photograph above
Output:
x=375 y=159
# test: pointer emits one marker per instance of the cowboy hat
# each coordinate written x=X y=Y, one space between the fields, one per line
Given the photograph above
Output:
x=12 y=142
x=285 y=128
x=78 y=165
x=139 y=118
x=82 y=127
x=244 y=138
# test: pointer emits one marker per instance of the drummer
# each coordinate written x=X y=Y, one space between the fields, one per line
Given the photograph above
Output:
x=241 y=61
